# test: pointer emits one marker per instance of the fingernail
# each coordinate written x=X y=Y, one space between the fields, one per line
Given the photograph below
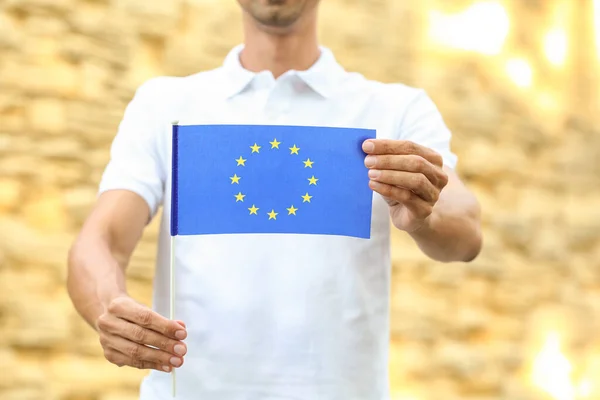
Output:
x=179 y=349
x=373 y=184
x=368 y=147
x=180 y=335
x=166 y=368
x=370 y=161
x=374 y=174
x=176 y=362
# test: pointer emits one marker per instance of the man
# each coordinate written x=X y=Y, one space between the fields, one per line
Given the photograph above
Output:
x=269 y=316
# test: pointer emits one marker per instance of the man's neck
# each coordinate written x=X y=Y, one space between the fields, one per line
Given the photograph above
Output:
x=279 y=53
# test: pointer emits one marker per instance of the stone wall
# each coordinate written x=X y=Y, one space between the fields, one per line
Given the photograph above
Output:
x=68 y=69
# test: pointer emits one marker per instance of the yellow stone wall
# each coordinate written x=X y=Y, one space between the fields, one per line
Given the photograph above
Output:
x=532 y=155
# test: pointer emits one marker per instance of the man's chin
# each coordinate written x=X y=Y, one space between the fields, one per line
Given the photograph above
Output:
x=276 y=21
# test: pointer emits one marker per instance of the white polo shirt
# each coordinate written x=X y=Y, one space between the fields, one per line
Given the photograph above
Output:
x=301 y=317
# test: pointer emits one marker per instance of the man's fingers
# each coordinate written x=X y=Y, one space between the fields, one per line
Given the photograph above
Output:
x=409 y=163
x=138 y=334
x=415 y=182
x=121 y=360
x=401 y=147
x=139 y=355
x=138 y=314
x=419 y=207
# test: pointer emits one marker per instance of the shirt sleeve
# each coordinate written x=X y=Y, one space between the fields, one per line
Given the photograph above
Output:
x=135 y=162
x=423 y=124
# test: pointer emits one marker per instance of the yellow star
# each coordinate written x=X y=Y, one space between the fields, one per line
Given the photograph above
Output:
x=235 y=179
x=312 y=181
x=275 y=144
x=255 y=148
x=239 y=197
x=306 y=198
x=241 y=161
x=294 y=149
x=272 y=214
x=308 y=163
x=292 y=210
x=253 y=210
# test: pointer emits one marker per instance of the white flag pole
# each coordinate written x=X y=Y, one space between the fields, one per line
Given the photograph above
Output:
x=172 y=290
x=172 y=285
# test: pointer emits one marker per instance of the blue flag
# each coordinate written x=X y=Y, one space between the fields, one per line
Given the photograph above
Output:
x=270 y=179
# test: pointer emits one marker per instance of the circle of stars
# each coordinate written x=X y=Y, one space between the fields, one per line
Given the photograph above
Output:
x=254 y=210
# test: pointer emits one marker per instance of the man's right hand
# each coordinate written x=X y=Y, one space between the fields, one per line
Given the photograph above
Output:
x=127 y=330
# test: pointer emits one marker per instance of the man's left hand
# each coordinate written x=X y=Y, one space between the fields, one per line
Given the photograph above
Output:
x=409 y=176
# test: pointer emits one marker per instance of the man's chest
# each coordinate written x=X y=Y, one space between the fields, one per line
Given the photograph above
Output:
x=278 y=107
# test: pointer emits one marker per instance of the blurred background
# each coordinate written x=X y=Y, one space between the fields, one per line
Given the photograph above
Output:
x=518 y=83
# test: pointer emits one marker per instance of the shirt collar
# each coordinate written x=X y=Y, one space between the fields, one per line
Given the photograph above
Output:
x=322 y=76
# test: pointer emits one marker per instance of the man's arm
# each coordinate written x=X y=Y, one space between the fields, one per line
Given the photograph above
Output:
x=101 y=252
x=453 y=230
x=96 y=285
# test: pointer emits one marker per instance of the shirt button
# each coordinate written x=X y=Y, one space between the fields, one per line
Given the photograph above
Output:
x=276 y=110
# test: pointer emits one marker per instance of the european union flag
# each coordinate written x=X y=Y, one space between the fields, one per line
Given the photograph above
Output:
x=270 y=179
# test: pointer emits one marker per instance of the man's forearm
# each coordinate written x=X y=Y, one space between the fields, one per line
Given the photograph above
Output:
x=453 y=230
x=95 y=277
x=99 y=256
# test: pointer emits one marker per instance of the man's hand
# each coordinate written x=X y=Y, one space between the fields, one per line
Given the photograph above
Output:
x=410 y=178
x=128 y=329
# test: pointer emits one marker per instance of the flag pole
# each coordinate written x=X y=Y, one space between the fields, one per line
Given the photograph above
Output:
x=172 y=265
x=172 y=301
